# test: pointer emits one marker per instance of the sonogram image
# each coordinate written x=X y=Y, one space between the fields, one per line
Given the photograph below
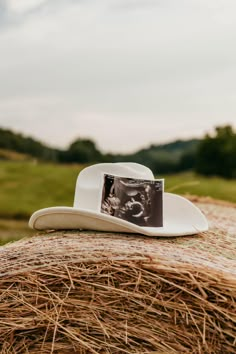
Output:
x=135 y=200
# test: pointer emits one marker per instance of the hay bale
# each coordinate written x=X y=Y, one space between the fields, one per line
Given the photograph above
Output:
x=87 y=292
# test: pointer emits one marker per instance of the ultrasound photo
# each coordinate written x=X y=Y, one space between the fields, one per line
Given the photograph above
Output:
x=135 y=200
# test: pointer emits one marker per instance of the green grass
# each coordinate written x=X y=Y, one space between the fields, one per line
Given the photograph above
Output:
x=189 y=183
x=12 y=230
x=26 y=186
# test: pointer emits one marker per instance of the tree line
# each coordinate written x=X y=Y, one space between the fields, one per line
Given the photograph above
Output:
x=216 y=154
x=213 y=155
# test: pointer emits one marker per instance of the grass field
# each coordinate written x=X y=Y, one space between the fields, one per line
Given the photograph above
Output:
x=190 y=183
x=12 y=230
x=26 y=186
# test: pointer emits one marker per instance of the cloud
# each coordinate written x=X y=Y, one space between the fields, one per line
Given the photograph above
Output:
x=143 y=71
x=16 y=13
x=3 y=10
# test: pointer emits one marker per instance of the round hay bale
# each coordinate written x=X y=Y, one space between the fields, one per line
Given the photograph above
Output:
x=87 y=292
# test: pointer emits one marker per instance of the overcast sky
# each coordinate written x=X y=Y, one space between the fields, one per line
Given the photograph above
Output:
x=125 y=73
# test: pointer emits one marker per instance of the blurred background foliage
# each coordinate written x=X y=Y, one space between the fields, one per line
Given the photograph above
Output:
x=214 y=155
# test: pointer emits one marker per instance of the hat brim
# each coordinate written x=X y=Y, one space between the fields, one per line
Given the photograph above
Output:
x=181 y=217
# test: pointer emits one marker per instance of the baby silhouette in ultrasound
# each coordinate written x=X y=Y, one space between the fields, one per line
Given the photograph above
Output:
x=133 y=200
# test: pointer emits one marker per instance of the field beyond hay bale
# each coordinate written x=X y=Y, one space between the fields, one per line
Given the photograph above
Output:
x=87 y=292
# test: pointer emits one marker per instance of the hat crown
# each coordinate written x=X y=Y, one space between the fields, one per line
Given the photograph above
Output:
x=89 y=181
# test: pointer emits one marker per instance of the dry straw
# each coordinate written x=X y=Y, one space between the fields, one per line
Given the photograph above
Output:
x=72 y=292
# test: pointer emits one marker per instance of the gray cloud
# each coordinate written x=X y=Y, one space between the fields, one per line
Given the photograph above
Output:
x=3 y=11
x=9 y=17
x=147 y=71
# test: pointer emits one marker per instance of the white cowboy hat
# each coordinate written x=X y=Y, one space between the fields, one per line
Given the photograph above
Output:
x=180 y=216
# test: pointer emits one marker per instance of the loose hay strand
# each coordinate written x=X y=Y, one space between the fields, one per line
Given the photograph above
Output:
x=134 y=314
x=90 y=293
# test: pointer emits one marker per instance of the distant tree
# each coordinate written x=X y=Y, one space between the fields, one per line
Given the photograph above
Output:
x=19 y=143
x=83 y=151
x=217 y=154
x=166 y=158
x=187 y=160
